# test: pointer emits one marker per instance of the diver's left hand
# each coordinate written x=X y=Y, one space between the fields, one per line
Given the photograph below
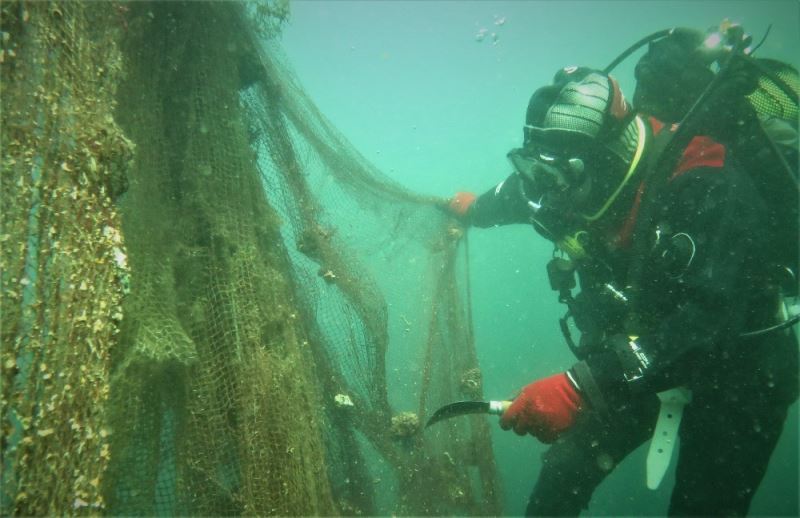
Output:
x=460 y=203
x=545 y=409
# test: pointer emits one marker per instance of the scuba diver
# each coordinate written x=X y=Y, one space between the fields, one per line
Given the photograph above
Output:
x=664 y=214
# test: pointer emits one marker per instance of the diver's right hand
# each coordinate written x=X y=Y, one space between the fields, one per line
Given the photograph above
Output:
x=460 y=203
x=545 y=408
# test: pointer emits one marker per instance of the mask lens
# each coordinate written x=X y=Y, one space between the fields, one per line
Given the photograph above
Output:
x=546 y=171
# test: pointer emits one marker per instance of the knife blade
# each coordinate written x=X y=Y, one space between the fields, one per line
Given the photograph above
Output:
x=467 y=407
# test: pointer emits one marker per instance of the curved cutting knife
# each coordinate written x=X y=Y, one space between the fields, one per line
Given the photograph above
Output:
x=468 y=407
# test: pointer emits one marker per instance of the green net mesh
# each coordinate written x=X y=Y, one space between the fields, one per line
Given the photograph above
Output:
x=212 y=304
x=769 y=99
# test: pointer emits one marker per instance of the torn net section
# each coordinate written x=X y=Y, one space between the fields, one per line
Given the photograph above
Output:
x=293 y=314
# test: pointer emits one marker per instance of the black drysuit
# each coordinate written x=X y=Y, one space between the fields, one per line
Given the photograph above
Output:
x=705 y=283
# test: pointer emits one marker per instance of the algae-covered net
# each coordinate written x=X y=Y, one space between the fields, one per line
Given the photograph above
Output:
x=212 y=304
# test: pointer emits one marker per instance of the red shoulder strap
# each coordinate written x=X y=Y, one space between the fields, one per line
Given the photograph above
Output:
x=702 y=151
x=623 y=238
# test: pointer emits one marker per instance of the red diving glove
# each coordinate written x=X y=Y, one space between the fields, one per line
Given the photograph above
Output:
x=545 y=408
x=460 y=203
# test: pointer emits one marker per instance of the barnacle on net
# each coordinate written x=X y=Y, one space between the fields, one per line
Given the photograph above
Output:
x=312 y=240
x=404 y=425
x=343 y=400
x=471 y=383
x=327 y=275
x=455 y=233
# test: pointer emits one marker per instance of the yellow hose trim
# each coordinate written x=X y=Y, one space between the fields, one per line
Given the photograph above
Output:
x=636 y=157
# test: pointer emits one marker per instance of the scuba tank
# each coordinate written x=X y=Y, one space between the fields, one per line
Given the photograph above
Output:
x=749 y=104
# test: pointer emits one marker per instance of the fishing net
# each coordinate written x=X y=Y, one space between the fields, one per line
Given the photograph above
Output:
x=211 y=303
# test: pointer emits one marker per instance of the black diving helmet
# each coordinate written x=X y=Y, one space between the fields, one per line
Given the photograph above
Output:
x=581 y=145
